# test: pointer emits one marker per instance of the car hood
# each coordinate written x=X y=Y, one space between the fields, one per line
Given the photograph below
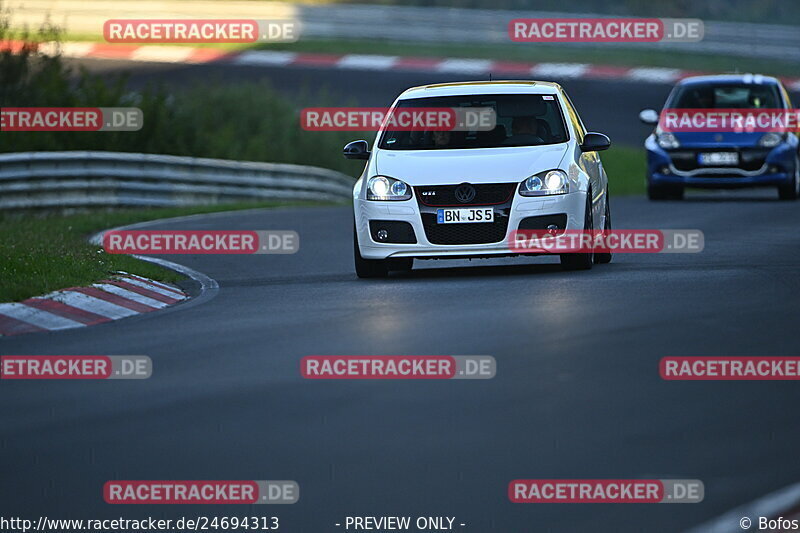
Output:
x=718 y=139
x=473 y=165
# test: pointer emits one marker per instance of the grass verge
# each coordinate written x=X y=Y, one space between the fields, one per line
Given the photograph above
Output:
x=625 y=167
x=44 y=253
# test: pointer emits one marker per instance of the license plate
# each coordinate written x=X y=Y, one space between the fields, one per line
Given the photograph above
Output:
x=465 y=215
x=719 y=158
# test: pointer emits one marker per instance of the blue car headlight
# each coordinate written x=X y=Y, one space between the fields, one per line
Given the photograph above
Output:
x=770 y=140
x=667 y=140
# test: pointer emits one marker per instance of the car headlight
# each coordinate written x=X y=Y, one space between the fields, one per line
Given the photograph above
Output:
x=386 y=188
x=770 y=140
x=544 y=183
x=667 y=140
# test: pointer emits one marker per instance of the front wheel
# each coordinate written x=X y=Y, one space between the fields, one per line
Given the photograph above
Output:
x=791 y=191
x=368 y=268
x=605 y=257
x=581 y=261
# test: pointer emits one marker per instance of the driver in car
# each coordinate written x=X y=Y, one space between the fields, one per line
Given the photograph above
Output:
x=441 y=138
x=524 y=131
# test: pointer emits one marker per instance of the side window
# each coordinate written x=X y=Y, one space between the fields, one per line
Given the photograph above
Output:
x=573 y=117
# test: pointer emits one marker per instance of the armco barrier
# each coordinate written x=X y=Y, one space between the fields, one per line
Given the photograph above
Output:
x=81 y=179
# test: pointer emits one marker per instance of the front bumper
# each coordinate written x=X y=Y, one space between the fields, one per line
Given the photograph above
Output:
x=775 y=168
x=572 y=204
x=722 y=180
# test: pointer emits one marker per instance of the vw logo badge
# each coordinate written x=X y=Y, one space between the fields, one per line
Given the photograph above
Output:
x=465 y=193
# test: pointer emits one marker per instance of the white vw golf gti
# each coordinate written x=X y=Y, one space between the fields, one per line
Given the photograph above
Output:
x=461 y=194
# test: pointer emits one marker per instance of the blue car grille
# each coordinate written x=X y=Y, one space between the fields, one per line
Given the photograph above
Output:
x=750 y=159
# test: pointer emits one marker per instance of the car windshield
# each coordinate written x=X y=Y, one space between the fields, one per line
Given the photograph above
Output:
x=728 y=96
x=521 y=120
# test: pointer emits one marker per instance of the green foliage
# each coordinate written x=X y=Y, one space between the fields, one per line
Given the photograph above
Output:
x=248 y=121
x=625 y=168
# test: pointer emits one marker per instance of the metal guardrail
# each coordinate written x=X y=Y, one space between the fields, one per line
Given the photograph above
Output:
x=82 y=179
x=398 y=23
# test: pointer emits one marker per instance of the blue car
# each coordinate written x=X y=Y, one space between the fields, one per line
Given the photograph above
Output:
x=722 y=159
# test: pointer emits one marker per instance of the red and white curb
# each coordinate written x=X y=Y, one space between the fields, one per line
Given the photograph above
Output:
x=477 y=67
x=120 y=296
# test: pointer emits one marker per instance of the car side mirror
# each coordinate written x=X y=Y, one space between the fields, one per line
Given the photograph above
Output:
x=649 y=116
x=595 y=142
x=356 y=150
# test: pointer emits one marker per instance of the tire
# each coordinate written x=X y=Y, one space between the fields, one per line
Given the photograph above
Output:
x=791 y=191
x=601 y=258
x=368 y=268
x=581 y=261
x=664 y=192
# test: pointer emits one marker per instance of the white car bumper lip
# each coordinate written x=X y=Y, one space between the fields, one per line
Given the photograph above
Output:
x=571 y=204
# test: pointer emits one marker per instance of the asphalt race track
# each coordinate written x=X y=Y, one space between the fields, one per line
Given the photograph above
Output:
x=577 y=392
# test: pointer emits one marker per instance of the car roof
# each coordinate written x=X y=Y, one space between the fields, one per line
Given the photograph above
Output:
x=757 y=79
x=481 y=87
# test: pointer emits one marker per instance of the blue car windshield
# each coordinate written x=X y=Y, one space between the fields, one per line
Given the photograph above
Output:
x=727 y=96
